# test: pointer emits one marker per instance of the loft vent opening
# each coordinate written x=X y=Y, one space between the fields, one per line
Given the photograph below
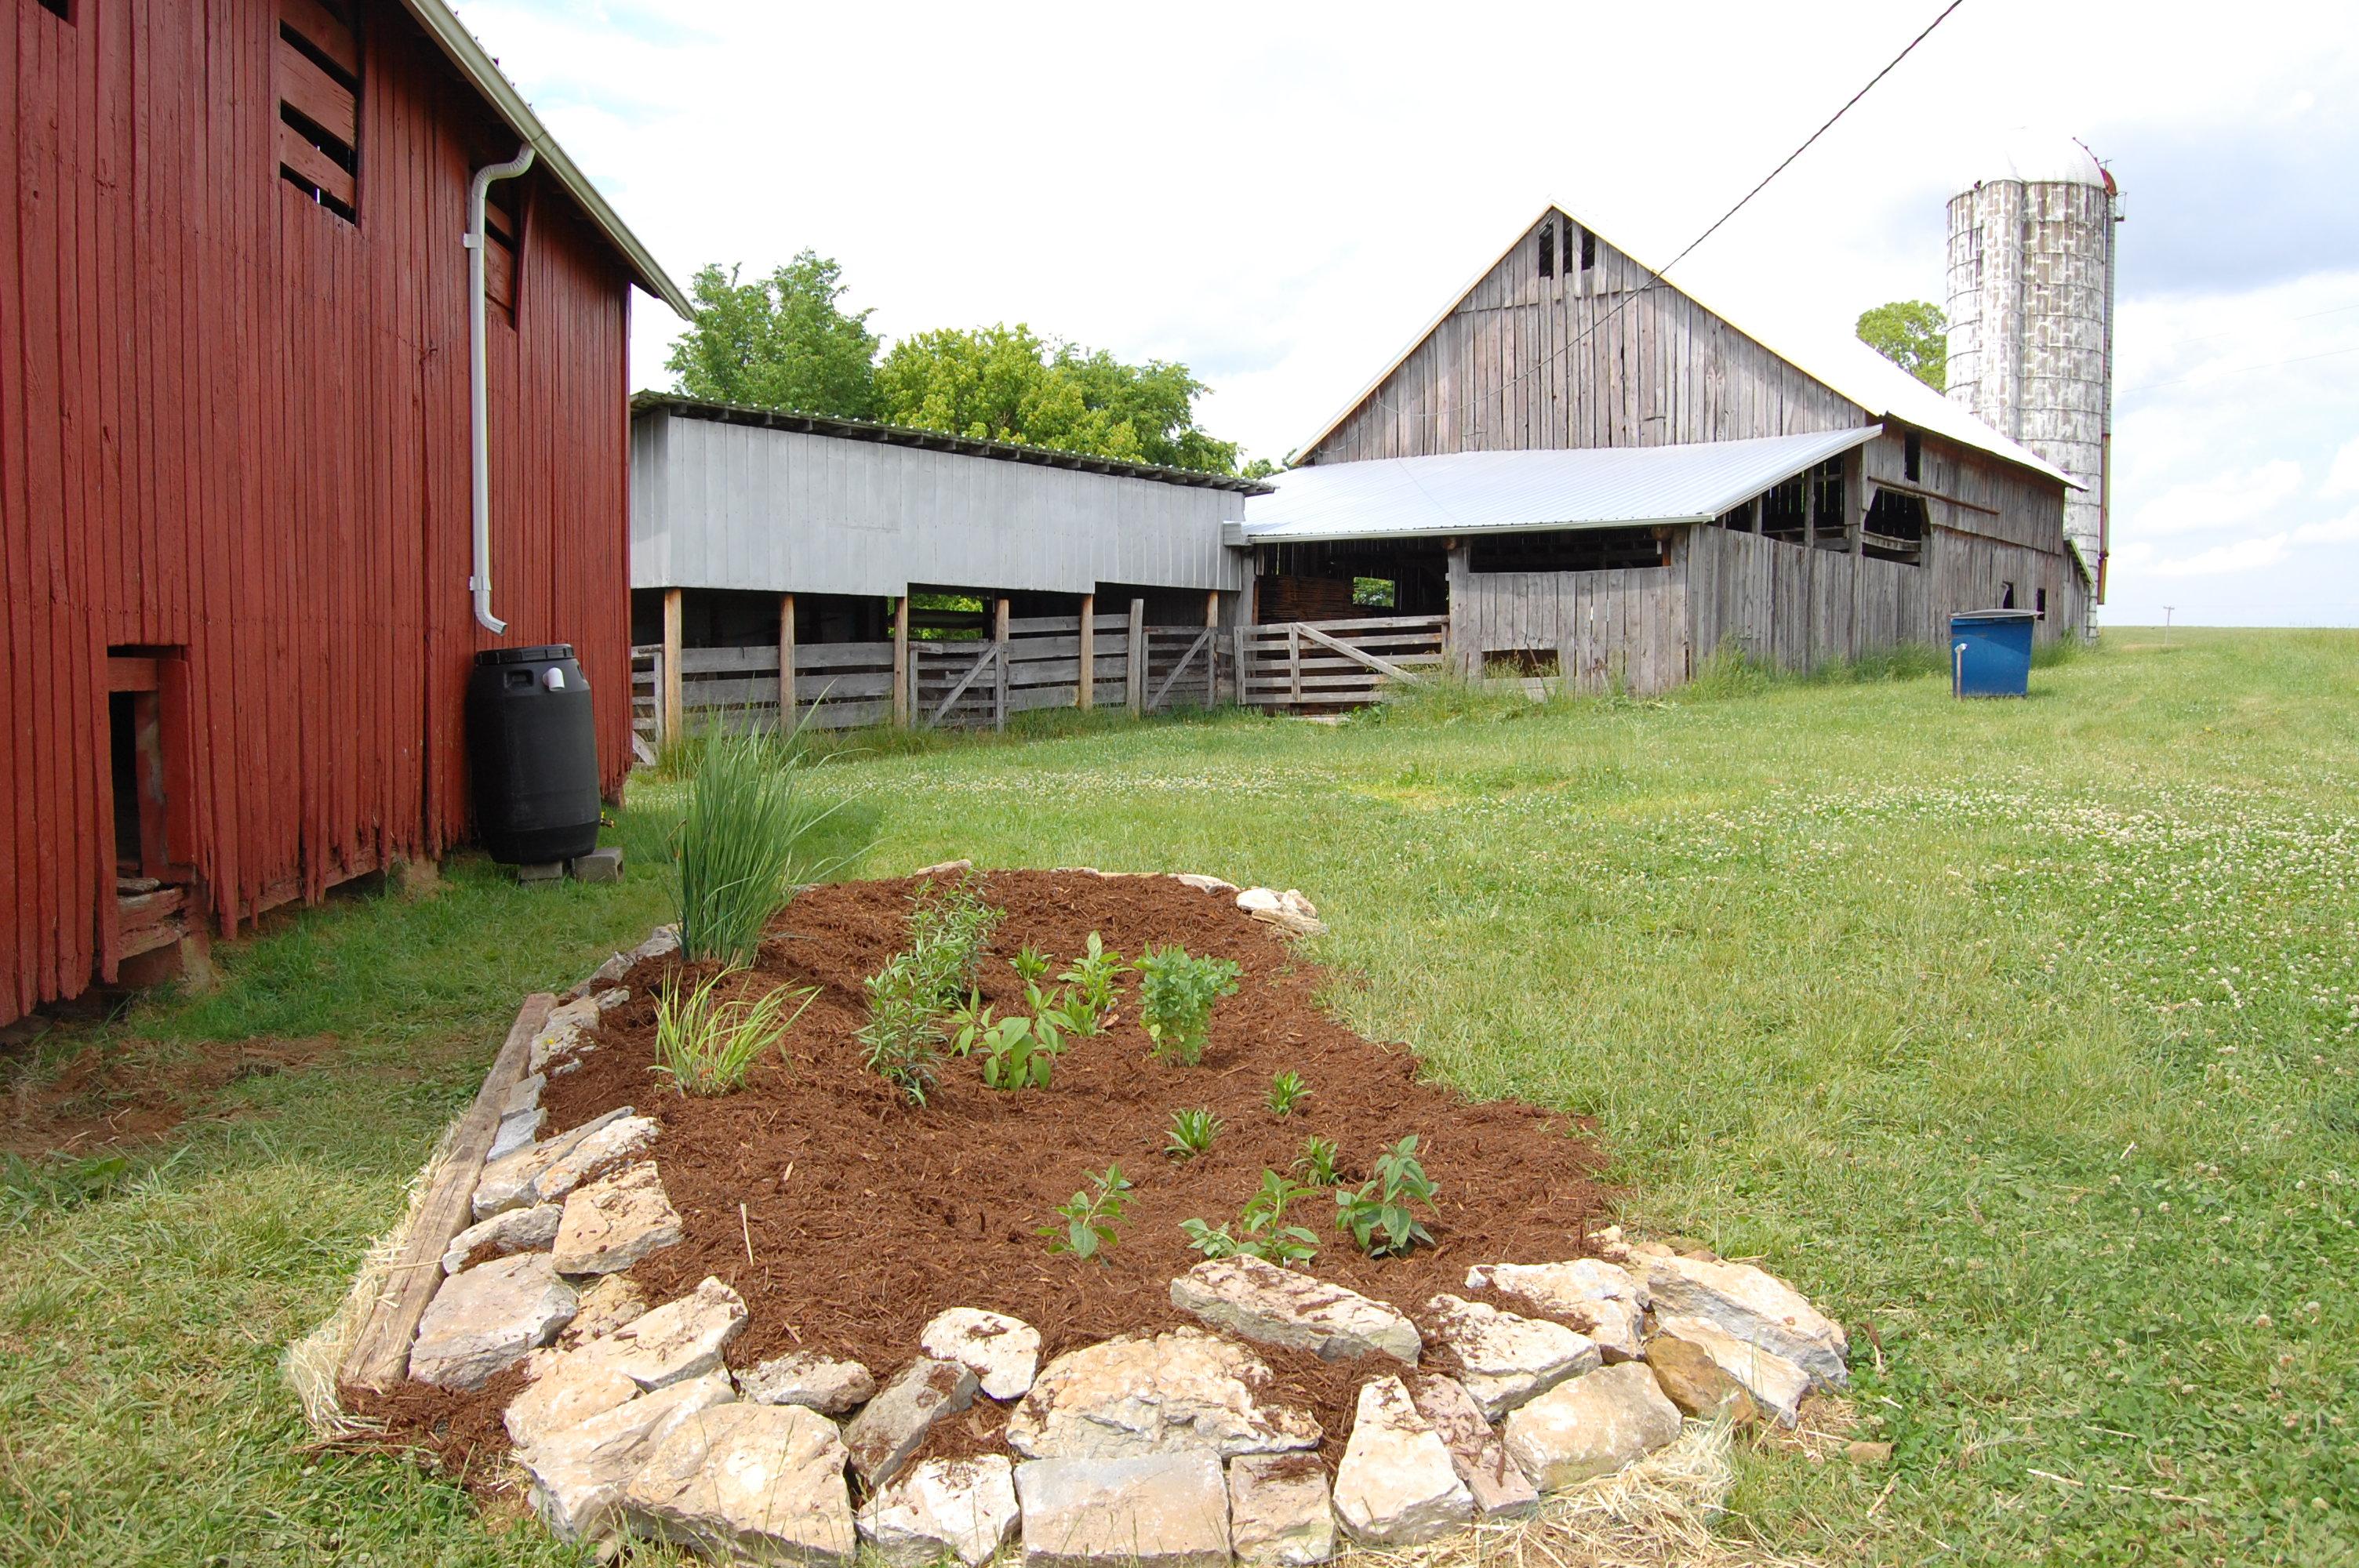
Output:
x=317 y=69
x=61 y=10
x=1912 y=457
x=1566 y=550
x=1548 y=250
x=1588 y=250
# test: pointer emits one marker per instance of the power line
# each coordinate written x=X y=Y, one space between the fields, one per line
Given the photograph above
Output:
x=2239 y=370
x=1656 y=276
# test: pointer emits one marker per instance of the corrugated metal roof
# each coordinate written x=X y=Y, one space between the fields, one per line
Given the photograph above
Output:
x=1478 y=492
x=935 y=440
x=1843 y=365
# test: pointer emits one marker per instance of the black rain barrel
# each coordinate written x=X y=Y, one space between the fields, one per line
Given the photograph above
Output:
x=532 y=754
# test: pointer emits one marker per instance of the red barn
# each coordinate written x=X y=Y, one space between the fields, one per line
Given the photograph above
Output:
x=236 y=454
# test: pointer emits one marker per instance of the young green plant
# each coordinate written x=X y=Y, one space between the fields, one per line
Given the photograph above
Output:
x=1176 y=993
x=1262 y=1235
x=1192 y=1132
x=1287 y=1091
x=1093 y=984
x=706 y=1045
x=744 y=842
x=1089 y=1217
x=1380 y=1216
x=1317 y=1162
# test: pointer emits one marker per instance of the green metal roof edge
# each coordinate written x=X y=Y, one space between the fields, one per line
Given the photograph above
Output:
x=444 y=26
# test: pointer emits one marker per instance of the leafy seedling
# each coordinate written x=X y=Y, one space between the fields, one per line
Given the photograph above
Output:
x=1192 y=1132
x=1092 y=982
x=1380 y=1216
x=707 y=1046
x=1018 y=1054
x=1263 y=1237
x=1089 y=1217
x=1031 y=964
x=1176 y=994
x=1317 y=1162
x=1286 y=1091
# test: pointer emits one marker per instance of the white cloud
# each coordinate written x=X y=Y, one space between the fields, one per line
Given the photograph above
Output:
x=2342 y=474
x=2220 y=503
x=2343 y=530
x=2244 y=555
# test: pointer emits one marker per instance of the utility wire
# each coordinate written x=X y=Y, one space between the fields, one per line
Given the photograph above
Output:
x=1656 y=276
x=2238 y=370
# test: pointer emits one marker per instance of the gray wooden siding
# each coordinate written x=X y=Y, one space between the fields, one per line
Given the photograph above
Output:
x=1646 y=629
x=1496 y=375
x=735 y=506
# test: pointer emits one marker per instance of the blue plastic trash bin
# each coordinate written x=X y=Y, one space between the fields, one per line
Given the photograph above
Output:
x=1990 y=653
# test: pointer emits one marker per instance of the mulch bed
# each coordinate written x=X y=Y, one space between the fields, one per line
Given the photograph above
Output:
x=866 y=1215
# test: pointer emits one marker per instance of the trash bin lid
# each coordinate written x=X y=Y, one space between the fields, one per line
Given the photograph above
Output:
x=548 y=653
x=1990 y=616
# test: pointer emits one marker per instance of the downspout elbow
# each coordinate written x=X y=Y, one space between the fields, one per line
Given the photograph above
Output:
x=478 y=411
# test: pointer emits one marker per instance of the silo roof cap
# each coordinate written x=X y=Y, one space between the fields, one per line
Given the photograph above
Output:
x=2035 y=156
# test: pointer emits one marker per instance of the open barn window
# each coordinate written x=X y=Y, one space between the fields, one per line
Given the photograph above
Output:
x=61 y=10
x=1547 y=248
x=1588 y=250
x=1566 y=550
x=1895 y=528
x=1912 y=457
x=1740 y=518
x=1827 y=504
x=500 y=257
x=1786 y=511
x=318 y=68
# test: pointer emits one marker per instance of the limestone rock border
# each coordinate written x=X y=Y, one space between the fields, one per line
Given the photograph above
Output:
x=631 y=1407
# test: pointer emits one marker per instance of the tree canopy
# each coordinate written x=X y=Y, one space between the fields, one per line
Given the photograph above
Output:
x=1912 y=334
x=785 y=342
x=781 y=341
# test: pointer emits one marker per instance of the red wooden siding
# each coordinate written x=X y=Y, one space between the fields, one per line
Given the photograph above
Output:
x=234 y=424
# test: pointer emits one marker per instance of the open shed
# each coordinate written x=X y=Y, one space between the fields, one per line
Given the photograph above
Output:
x=845 y=572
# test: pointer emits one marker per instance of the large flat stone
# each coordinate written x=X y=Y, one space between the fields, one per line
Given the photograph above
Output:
x=681 y=1339
x=1603 y=1300
x=1397 y=1486
x=1775 y=1384
x=506 y=1182
x=610 y=1148
x=510 y=1230
x=1498 y=1488
x=759 y=1483
x=1698 y=1385
x=944 y=1508
x=564 y=1032
x=1755 y=1307
x=1594 y=1425
x=1270 y=1305
x=516 y=1129
x=566 y=1393
x=1165 y=1393
x=888 y=1429
x=1505 y=1359
x=1154 y=1510
x=578 y=1473
x=615 y=1221
x=606 y=1304
x=806 y=1378
x=1281 y=1514
x=489 y=1317
x=1003 y=1352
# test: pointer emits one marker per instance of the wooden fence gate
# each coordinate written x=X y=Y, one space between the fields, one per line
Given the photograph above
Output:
x=1321 y=666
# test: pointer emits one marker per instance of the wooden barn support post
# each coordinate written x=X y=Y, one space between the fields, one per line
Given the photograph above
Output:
x=1212 y=649
x=785 y=661
x=1134 y=667
x=999 y=657
x=901 y=662
x=1085 y=692
x=669 y=676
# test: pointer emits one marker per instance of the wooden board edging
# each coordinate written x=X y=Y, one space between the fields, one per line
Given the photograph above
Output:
x=380 y=1354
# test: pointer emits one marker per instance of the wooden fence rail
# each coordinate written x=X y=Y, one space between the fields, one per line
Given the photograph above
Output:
x=1325 y=665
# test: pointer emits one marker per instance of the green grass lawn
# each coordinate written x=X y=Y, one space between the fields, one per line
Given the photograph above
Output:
x=2022 y=1032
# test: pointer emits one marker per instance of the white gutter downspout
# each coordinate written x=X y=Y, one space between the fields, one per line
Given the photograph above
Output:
x=478 y=419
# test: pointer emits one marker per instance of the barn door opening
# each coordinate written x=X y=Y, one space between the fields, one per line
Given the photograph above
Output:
x=146 y=710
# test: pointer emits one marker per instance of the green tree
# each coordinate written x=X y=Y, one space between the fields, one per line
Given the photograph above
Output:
x=1912 y=334
x=1008 y=383
x=782 y=341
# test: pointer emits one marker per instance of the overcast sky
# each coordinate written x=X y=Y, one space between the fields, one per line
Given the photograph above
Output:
x=1281 y=196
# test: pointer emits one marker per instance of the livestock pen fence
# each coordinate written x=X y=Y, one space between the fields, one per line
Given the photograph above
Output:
x=976 y=671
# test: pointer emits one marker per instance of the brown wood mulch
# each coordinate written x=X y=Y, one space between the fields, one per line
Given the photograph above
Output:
x=864 y=1215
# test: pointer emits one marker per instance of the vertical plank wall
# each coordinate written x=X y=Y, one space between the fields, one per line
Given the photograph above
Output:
x=234 y=426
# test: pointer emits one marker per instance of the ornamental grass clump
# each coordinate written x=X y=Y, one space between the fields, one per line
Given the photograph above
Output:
x=744 y=844
x=1176 y=993
x=706 y=1045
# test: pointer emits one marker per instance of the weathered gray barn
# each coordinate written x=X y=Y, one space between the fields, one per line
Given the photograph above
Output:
x=763 y=541
x=1802 y=508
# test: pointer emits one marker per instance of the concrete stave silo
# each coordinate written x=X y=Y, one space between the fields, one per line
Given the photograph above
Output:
x=2031 y=307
